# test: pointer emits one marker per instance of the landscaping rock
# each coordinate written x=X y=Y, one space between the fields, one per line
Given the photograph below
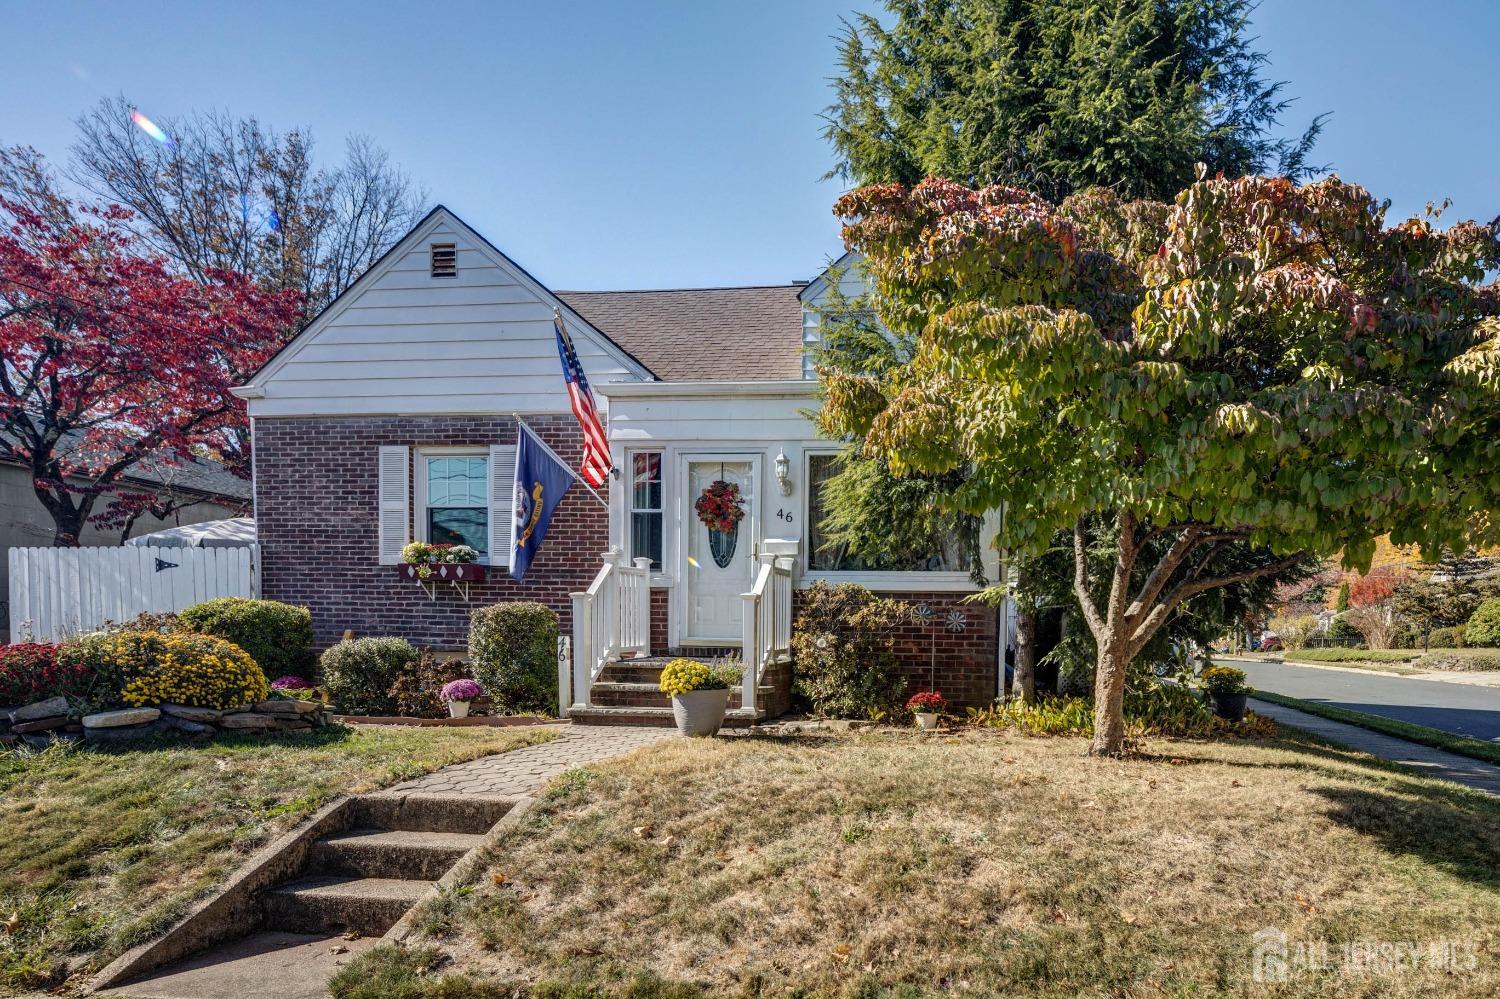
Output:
x=292 y=724
x=122 y=718
x=287 y=707
x=187 y=725
x=204 y=716
x=246 y=720
x=40 y=725
x=50 y=708
x=125 y=733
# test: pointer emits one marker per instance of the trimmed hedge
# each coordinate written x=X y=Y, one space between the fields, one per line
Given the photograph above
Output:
x=278 y=636
x=1338 y=654
x=1461 y=660
x=359 y=674
x=1483 y=629
x=513 y=653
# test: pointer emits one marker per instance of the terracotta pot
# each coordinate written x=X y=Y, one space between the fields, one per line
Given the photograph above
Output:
x=927 y=721
x=458 y=709
x=700 y=713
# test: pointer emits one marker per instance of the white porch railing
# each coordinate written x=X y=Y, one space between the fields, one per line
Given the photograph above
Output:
x=767 y=622
x=612 y=617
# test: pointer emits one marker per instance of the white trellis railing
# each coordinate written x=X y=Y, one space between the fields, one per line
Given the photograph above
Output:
x=611 y=618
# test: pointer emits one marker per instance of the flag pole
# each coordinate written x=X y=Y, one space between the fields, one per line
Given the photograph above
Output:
x=576 y=477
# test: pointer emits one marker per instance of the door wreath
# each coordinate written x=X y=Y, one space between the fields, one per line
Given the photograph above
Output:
x=721 y=509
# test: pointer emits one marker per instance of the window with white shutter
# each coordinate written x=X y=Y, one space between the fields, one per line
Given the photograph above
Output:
x=395 y=503
x=502 y=501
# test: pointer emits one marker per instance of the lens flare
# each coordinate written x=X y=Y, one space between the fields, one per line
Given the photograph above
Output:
x=149 y=127
x=693 y=562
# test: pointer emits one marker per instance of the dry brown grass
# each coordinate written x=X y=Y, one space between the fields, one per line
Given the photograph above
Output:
x=102 y=849
x=984 y=864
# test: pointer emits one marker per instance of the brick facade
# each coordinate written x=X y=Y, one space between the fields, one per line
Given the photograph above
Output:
x=316 y=510
x=966 y=662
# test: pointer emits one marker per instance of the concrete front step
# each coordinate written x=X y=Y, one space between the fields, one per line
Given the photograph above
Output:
x=617 y=694
x=658 y=717
x=396 y=811
x=384 y=853
x=333 y=903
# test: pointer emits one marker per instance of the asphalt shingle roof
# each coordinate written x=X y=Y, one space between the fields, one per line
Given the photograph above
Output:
x=703 y=334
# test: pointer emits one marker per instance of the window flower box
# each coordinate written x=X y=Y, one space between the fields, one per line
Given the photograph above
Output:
x=442 y=572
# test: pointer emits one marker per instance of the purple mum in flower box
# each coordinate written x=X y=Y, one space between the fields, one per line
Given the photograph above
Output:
x=460 y=690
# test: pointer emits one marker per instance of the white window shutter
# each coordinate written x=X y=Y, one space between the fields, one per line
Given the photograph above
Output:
x=502 y=501
x=395 y=503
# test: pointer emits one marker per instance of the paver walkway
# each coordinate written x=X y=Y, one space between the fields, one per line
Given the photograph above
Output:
x=522 y=771
x=1428 y=761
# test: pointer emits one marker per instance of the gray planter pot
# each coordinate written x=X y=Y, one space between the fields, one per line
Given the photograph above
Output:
x=700 y=712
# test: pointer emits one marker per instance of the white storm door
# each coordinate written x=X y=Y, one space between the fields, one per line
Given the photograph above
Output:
x=719 y=566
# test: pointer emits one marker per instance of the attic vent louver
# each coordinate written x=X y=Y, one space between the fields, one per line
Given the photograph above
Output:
x=444 y=260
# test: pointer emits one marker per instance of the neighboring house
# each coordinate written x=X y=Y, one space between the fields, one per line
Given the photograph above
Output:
x=393 y=416
x=192 y=492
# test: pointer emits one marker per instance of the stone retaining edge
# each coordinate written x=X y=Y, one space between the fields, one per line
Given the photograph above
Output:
x=233 y=910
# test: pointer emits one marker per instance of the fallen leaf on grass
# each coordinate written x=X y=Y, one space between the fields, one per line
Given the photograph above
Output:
x=643 y=832
x=497 y=879
x=351 y=935
x=1128 y=917
x=842 y=952
x=13 y=923
x=338 y=949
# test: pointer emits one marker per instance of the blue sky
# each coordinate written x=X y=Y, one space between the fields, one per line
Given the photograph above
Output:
x=614 y=145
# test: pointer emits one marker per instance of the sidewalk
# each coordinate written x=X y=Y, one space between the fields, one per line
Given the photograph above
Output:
x=1426 y=760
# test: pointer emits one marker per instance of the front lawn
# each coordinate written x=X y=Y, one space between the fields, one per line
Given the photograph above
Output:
x=985 y=864
x=104 y=849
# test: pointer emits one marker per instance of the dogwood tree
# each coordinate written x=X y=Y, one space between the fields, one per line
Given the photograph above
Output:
x=1259 y=364
x=109 y=358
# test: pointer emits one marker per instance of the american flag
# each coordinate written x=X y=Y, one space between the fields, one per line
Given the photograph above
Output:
x=596 y=464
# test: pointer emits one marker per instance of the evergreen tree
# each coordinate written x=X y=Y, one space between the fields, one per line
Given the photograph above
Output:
x=1058 y=95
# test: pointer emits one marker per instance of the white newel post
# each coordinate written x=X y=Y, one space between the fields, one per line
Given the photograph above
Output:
x=644 y=565
x=564 y=675
x=583 y=649
x=750 y=651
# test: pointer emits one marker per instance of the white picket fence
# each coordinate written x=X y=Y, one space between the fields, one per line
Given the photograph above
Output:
x=56 y=592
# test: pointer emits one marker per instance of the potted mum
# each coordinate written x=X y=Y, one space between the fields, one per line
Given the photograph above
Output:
x=457 y=694
x=926 y=706
x=699 y=692
x=1227 y=689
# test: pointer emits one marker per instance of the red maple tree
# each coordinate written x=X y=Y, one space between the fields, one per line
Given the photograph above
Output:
x=110 y=358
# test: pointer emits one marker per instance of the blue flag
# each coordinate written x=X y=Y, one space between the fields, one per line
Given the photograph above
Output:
x=541 y=481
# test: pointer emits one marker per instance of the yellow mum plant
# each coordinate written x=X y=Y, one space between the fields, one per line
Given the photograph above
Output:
x=683 y=676
x=185 y=668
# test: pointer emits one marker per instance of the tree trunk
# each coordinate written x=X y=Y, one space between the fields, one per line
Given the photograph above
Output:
x=1023 y=684
x=1109 y=694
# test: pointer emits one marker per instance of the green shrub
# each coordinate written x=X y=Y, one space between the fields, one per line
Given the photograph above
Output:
x=1483 y=629
x=843 y=651
x=1447 y=638
x=1335 y=654
x=359 y=674
x=513 y=653
x=1343 y=631
x=278 y=636
x=1167 y=710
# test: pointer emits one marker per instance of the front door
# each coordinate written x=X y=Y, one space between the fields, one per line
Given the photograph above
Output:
x=719 y=562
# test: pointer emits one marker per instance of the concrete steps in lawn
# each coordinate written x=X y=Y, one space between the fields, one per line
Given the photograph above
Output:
x=628 y=693
x=660 y=717
x=364 y=880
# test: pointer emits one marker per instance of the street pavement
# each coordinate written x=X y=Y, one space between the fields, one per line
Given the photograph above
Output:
x=1457 y=708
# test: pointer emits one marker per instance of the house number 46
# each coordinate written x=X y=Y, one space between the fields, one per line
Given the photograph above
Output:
x=784 y=514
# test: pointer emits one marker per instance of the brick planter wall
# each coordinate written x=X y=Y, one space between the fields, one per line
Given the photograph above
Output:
x=966 y=661
x=316 y=509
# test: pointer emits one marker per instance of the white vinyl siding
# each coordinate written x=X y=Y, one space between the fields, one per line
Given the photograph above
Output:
x=403 y=342
x=395 y=503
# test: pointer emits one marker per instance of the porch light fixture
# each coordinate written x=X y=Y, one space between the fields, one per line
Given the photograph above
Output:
x=783 y=473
